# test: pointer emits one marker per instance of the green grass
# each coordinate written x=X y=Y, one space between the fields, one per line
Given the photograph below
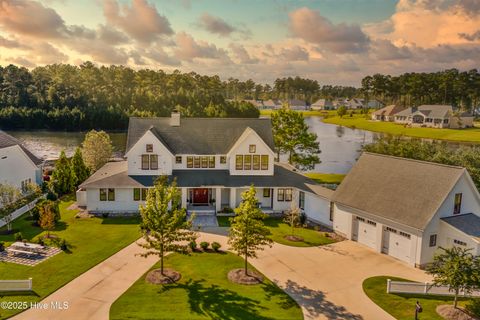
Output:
x=90 y=242
x=360 y=122
x=204 y=292
x=402 y=306
x=308 y=113
x=280 y=229
x=332 y=178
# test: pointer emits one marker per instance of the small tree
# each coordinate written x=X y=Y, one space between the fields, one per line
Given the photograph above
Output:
x=293 y=217
x=96 y=149
x=247 y=230
x=47 y=217
x=341 y=111
x=164 y=225
x=79 y=167
x=457 y=268
x=9 y=194
x=63 y=177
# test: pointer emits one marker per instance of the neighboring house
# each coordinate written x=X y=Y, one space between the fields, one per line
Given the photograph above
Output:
x=272 y=104
x=354 y=103
x=434 y=116
x=18 y=166
x=295 y=104
x=257 y=103
x=374 y=104
x=387 y=113
x=322 y=104
x=213 y=161
x=407 y=208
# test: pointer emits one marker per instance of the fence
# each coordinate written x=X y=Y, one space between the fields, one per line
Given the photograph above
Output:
x=424 y=288
x=16 y=285
x=17 y=213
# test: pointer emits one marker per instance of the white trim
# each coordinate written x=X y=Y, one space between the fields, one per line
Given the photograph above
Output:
x=244 y=136
x=149 y=132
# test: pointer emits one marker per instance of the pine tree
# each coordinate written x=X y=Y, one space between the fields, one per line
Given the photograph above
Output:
x=63 y=177
x=79 y=168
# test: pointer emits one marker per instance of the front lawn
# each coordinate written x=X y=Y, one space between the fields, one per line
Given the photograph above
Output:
x=90 y=241
x=402 y=306
x=360 y=122
x=329 y=178
x=204 y=292
x=280 y=229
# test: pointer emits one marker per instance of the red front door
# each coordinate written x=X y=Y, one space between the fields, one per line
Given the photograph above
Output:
x=200 y=195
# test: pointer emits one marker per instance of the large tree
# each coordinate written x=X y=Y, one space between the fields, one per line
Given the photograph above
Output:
x=248 y=233
x=79 y=167
x=9 y=195
x=96 y=149
x=457 y=268
x=63 y=176
x=164 y=225
x=292 y=137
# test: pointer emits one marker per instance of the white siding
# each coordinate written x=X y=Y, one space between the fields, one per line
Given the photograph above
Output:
x=123 y=201
x=448 y=234
x=317 y=209
x=342 y=221
x=16 y=166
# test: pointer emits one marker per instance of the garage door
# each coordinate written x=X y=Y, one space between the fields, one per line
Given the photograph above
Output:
x=364 y=231
x=397 y=244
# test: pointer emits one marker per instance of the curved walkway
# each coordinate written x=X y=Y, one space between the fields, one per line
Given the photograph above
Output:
x=326 y=281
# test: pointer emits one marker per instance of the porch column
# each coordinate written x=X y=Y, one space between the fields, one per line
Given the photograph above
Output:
x=184 y=197
x=233 y=197
x=218 y=199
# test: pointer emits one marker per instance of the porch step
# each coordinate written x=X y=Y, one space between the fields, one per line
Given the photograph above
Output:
x=205 y=221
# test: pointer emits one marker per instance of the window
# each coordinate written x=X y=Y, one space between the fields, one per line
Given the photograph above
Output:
x=211 y=162
x=404 y=234
x=239 y=162
x=457 y=207
x=264 y=162
x=301 y=200
x=332 y=208
x=445 y=121
x=153 y=162
x=196 y=162
x=189 y=162
x=223 y=159
x=288 y=194
x=145 y=162
x=433 y=240
x=360 y=219
x=391 y=230
x=111 y=194
x=252 y=148
x=266 y=192
x=461 y=243
x=103 y=194
x=149 y=147
x=256 y=162
x=281 y=194
x=178 y=159
x=136 y=194
x=370 y=222
x=247 y=162
x=204 y=162
x=144 y=194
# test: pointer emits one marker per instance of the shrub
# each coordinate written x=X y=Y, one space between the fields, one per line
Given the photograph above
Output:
x=40 y=241
x=18 y=236
x=63 y=244
x=303 y=218
x=204 y=245
x=2 y=246
x=105 y=215
x=193 y=245
x=52 y=196
x=473 y=307
x=228 y=210
x=216 y=246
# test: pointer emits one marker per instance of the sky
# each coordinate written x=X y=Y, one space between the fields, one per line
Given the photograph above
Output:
x=332 y=41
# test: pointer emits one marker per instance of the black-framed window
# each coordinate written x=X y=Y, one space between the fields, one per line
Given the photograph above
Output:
x=144 y=194
x=264 y=161
x=301 y=200
x=178 y=159
x=145 y=162
x=433 y=240
x=457 y=206
x=211 y=162
x=252 y=148
x=266 y=192
x=111 y=194
x=149 y=147
x=247 y=162
x=140 y=194
x=103 y=194
x=281 y=194
x=136 y=194
x=189 y=162
x=288 y=194
x=223 y=159
x=238 y=162
x=256 y=162
x=196 y=162
x=153 y=162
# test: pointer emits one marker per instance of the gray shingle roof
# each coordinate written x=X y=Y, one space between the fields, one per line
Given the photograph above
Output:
x=467 y=223
x=199 y=135
x=402 y=190
x=7 y=140
x=432 y=111
x=389 y=110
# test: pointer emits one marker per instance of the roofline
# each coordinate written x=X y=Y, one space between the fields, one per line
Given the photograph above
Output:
x=413 y=160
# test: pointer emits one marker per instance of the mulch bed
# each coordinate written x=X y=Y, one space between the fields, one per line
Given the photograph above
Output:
x=294 y=238
x=169 y=276
x=447 y=311
x=239 y=276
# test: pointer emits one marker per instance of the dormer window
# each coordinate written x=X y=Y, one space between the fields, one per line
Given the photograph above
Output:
x=223 y=159
x=457 y=207
x=178 y=159
x=149 y=147
x=149 y=162
x=252 y=148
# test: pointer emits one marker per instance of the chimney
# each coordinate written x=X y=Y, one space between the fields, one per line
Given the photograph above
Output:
x=175 y=118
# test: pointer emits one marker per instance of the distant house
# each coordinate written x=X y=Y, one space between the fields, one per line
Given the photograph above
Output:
x=434 y=116
x=18 y=166
x=272 y=104
x=322 y=104
x=387 y=113
x=374 y=104
x=257 y=103
x=295 y=104
x=355 y=103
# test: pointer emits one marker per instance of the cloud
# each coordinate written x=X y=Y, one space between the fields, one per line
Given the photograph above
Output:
x=22 y=61
x=295 y=53
x=470 y=37
x=111 y=35
x=188 y=49
x=242 y=55
x=385 y=50
x=45 y=53
x=140 y=20
x=309 y=25
x=12 y=44
x=158 y=55
x=215 y=25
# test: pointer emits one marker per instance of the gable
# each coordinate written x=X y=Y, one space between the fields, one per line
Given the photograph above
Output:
x=248 y=137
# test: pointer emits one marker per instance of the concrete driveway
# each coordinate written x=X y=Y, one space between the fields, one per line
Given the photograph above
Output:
x=326 y=281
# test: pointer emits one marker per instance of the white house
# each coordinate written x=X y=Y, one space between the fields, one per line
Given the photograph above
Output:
x=322 y=104
x=387 y=113
x=213 y=161
x=18 y=166
x=295 y=104
x=434 y=116
x=407 y=208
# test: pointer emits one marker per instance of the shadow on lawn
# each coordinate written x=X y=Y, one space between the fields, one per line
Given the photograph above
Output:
x=218 y=303
x=18 y=293
x=315 y=304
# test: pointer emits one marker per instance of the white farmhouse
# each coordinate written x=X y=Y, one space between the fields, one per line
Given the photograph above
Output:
x=18 y=166
x=407 y=208
x=434 y=116
x=213 y=161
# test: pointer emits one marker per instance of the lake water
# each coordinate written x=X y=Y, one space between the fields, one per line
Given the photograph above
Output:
x=340 y=146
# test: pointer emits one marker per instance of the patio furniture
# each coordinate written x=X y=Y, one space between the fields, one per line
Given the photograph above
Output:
x=25 y=248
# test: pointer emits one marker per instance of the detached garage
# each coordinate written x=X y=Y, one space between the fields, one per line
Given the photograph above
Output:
x=365 y=231
x=397 y=243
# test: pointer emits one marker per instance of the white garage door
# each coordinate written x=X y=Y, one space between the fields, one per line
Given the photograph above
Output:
x=364 y=231
x=397 y=244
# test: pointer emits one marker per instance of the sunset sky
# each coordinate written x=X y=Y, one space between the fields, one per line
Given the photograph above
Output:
x=332 y=41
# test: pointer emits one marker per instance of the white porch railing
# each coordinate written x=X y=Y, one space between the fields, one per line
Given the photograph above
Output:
x=17 y=213
x=424 y=288
x=16 y=285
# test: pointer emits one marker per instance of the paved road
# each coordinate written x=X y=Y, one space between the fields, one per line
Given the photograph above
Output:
x=326 y=281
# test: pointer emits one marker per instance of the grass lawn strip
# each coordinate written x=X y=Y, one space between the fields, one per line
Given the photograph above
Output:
x=402 y=306
x=204 y=292
x=330 y=178
x=90 y=242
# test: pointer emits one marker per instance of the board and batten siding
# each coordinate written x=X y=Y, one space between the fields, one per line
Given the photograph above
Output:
x=16 y=166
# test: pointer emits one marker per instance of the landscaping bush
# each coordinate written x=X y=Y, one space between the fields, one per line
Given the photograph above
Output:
x=40 y=241
x=216 y=246
x=63 y=244
x=2 y=246
x=227 y=210
x=303 y=218
x=193 y=245
x=105 y=215
x=473 y=307
x=52 y=196
x=204 y=245
x=18 y=236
